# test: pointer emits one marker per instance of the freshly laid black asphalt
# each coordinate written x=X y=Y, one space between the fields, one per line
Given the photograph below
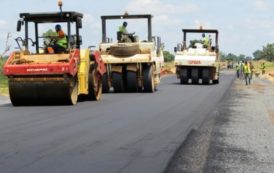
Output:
x=128 y=133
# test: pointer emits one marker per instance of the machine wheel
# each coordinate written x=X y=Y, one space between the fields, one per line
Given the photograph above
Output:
x=195 y=76
x=206 y=76
x=183 y=76
x=73 y=91
x=15 y=101
x=105 y=82
x=148 y=79
x=124 y=50
x=132 y=82
x=118 y=82
x=94 y=84
x=44 y=93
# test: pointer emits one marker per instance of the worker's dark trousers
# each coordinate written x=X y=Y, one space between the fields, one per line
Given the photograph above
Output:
x=247 y=78
x=58 y=49
x=238 y=74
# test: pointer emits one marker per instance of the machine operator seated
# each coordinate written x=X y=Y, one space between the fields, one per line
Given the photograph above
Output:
x=123 y=36
x=60 y=42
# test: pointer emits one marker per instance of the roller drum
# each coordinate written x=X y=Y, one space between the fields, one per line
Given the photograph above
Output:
x=45 y=90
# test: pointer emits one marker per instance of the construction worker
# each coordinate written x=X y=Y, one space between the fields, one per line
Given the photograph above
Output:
x=241 y=72
x=238 y=70
x=247 y=72
x=263 y=68
x=123 y=35
x=61 y=42
x=206 y=41
x=123 y=28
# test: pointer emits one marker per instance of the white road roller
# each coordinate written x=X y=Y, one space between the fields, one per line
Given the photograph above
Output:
x=195 y=61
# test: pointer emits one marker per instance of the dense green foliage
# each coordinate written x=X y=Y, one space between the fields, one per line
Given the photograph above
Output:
x=2 y=61
x=168 y=56
x=233 y=57
x=267 y=53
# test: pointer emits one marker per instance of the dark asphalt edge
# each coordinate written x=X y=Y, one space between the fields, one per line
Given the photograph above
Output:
x=177 y=151
x=221 y=119
x=216 y=121
x=211 y=116
x=223 y=99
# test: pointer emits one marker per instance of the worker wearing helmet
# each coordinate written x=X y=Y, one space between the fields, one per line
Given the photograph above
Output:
x=263 y=68
x=60 y=44
x=123 y=28
x=123 y=35
x=238 y=67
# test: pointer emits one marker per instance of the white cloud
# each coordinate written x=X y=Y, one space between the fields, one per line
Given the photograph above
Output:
x=259 y=29
x=261 y=5
x=165 y=13
x=159 y=7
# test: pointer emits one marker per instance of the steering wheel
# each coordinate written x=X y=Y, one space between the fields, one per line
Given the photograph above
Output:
x=49 y=40
x=129 y=34
x=18 y=40
x=132 y=34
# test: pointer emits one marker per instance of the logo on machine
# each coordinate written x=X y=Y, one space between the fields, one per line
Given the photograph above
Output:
x=37 y=70
x=194 y=62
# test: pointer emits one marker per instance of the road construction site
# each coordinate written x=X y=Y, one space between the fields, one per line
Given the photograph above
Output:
x=232 y=132
x=115 y=108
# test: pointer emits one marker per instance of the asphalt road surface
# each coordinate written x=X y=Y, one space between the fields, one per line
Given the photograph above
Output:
x=125 y=133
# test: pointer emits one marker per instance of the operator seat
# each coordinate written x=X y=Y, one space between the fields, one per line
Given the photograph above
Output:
x=119 y=36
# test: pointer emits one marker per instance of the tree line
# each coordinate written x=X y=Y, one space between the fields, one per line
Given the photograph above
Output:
x=266 y=53
x=233 y=57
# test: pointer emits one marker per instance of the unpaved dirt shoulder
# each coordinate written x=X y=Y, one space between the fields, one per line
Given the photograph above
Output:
x=269 y=76
x=237 y=137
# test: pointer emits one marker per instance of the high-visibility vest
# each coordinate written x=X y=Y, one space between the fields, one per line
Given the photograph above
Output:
x=238 y=67
x=246 y=69
x=206 y=41
x=122 y=29
x=62 y=39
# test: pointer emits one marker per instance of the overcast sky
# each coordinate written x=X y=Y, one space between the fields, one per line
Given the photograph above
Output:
x=244 y=25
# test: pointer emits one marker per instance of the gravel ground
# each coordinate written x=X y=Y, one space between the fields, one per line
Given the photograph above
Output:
x=237 y=137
